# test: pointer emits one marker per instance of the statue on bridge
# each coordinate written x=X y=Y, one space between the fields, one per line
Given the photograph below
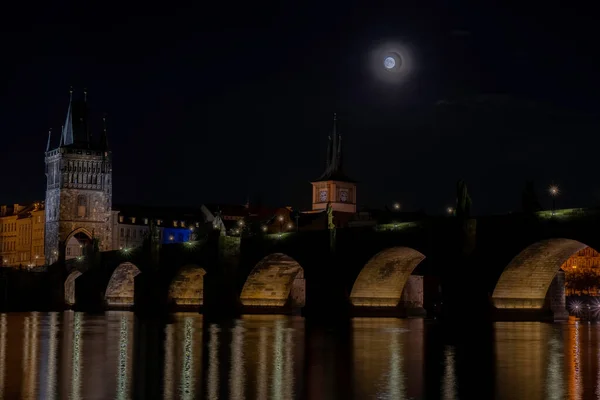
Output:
x=330 y=224
x=463 y=200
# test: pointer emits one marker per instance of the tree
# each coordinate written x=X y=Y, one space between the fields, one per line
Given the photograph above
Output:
x=463 y=200
x=529 y=200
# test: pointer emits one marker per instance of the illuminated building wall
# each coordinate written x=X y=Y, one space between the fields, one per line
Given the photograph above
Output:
x=583 y=266
x=22 y=235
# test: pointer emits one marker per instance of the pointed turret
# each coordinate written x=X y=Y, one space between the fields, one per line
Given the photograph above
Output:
x=49 y=138
x=104 y=137
x=67 y=131
x=333 y=169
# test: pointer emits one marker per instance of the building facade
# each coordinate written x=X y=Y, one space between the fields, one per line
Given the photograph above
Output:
x=78 y=187
x=22 y=235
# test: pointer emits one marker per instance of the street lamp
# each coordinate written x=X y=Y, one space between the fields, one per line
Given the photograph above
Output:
x=280 y=219
x=450 y=210
x=554 y=192
x=396 y=206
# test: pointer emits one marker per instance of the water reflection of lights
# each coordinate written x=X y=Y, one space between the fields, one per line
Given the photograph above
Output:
x=288 y=383
x=168 y=371
x=236 y=380
x=575 y=390
x=30 y=361
x=449 y=384
x=554 y=379
x=262 y=363
x=187 y=387
x=122 y=378
x=213 y=367
x=52 y=346
x=278 y=361
x=3 y=331
x=396 y=375
x=76 y=360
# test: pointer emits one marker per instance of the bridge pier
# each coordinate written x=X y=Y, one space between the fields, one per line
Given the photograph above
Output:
x=221 y=294
x=327 y=298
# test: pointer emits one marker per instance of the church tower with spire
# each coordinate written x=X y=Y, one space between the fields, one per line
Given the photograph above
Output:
x=333 y=186
x=78 y=187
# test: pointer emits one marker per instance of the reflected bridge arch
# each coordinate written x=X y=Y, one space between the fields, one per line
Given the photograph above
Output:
x=69 y=286
x=525 y=281
x=276 y=281
x=382 y=281
x=121 y=286
x=187 y=287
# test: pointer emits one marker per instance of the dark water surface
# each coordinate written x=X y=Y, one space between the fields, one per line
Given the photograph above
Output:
x=114 y=356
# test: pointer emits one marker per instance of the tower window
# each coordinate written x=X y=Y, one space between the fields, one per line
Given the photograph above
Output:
x=81 y=206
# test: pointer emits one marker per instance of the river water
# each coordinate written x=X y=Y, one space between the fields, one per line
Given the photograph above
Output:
x=115 y=356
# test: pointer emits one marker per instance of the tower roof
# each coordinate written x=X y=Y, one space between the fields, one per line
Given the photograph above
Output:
x=334 y=166
x=76 y=132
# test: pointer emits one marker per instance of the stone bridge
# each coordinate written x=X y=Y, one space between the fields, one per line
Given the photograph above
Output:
x=506 y=267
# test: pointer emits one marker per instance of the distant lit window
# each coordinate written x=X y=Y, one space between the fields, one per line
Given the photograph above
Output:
x=146 y=221
x=121 y=218
x=175 y=223
x=132 y=219
x=183 y=224
x=158 y=221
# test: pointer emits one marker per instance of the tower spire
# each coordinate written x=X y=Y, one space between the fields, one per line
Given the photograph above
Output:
x=49 y=136
x=67 y=132
x=104 y=137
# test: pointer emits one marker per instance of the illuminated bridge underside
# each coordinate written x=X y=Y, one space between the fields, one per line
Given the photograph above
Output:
x=70 y=287
x=271 y=282
x=120 y=290
x=187 y=288
x=382 y=280
x=525 y=281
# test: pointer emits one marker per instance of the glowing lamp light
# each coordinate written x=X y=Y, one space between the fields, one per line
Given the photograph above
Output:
x=241 y=222
x=280 y=218
x=450 y=210
x=396 y=206
x=191 y=229
x=574 y=266
x=125 y=250
x=80 y=246
x=171 y=238
x=36 y=257
x=264 y=228
x=554 y=190
x=5 y=260
x=289 y=226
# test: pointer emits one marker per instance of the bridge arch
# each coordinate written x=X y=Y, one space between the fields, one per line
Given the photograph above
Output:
x=527 y=278
x=187 y=287
x=381 y=281
x=121 y=286
x=76 y=241
x=276 y=281
x=70 y=288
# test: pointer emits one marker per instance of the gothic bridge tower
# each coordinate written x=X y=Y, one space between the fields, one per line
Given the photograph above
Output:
x=333 y=186
x=78 y=187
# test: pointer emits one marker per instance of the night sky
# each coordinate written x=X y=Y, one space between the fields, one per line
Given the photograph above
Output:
x=218 y=104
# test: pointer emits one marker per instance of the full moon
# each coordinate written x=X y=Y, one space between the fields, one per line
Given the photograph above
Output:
x=389 y=62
